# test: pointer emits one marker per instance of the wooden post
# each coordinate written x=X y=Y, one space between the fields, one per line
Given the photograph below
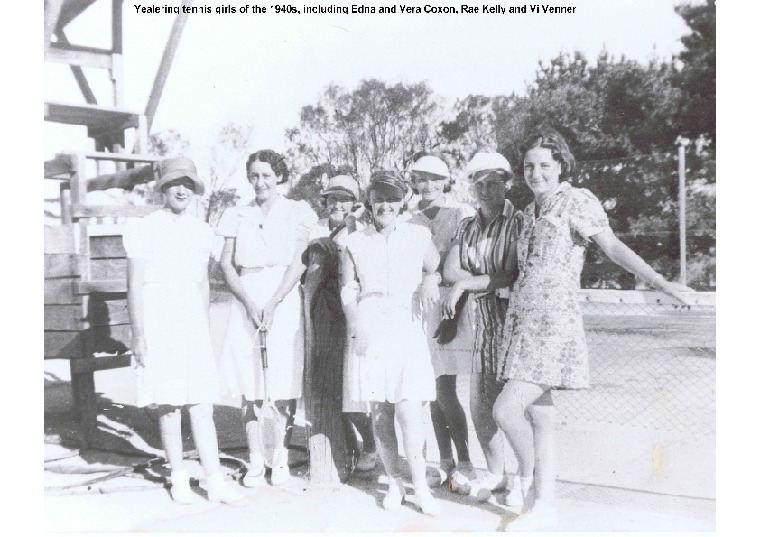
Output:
x=323 y=382
x=52 y=12
x=166 y=62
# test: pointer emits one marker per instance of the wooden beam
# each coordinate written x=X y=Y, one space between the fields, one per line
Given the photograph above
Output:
x=60 y=165
x=115 y=211
x=71 y=10
x=62 y=291
x=99 y=120
x=117 y=39
x=63 y=52
x=166 y=62
x=61 y=266
x=60 y=240
x=125 y=179
x=120 y=157
x=78 y=73
x=107 y=286
x=52 y=15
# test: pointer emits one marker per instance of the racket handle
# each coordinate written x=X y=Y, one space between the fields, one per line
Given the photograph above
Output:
x=263 y=338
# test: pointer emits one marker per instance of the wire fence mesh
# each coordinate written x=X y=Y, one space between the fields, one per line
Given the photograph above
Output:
x=652 y=364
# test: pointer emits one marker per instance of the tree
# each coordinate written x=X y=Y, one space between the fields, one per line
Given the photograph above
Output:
x=376 y=126
x=226 y=160
x=697 y=76
x=167 y=143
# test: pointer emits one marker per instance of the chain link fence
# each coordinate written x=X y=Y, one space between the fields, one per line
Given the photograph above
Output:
x=652 y=364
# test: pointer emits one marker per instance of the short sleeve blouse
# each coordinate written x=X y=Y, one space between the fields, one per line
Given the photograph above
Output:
x=175 y=249
x=392 y=265
x=444 y=225
x=483 y=250
x=266 y=240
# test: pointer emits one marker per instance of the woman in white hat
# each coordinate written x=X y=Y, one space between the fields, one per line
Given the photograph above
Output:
x=326 y=319
x=265 y=241
x=544 y=345
x=168 y=295
x=451 y=354
x=381 y=269
x=482 y=262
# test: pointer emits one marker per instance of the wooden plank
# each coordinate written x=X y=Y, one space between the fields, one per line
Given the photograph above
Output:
x=60 y=240
x=99 y=120
x=107 y=312
x=72 y=344
x=114 y=339
x=101 y=363
x=63 y=344
x=116 y=211
x=120 y=157
x=75 y=56
x=103 y=286
x=107 y=247
x=166 y=62
x=60 y=317
x=60 y=165
x=125 y=179
x=108 y=269
x=52 y=15
x=62 y=291
x=78 y=72
x=61 y=265
x=72 y=9
x=105 y=230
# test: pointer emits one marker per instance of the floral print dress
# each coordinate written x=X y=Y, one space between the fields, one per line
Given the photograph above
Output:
x=544 y=338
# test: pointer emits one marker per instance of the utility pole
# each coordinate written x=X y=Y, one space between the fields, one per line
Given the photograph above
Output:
x=682 y=143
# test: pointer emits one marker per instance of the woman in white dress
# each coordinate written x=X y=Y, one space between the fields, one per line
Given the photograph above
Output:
x=265 y=241
x=381 y=269
x=438 y=212
x=168 y=296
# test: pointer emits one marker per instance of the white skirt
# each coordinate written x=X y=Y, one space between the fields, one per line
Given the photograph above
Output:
x=397 y=364
x=179 y=362
x=240 y=365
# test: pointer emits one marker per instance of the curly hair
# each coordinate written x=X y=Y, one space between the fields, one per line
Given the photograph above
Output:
x=552 y=140
x=274 y=159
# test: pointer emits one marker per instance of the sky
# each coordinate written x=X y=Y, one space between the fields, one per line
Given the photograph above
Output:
x=260 y=70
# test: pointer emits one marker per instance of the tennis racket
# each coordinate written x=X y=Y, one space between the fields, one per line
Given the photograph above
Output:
x=270 y=420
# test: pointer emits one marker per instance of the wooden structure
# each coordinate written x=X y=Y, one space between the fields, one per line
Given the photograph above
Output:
x=85 y=311
x=325 y=330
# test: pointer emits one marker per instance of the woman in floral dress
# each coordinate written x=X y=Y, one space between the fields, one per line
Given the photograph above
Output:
x=544 y=342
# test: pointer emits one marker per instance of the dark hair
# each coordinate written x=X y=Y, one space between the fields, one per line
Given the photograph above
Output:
x=550 y=139
x=274 y=159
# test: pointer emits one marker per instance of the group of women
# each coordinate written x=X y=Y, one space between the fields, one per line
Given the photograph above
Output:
x=428 y=292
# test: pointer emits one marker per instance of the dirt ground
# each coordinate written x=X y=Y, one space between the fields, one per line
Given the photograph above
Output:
x=654 y=482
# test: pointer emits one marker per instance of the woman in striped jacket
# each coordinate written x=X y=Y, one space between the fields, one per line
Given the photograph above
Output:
x=482 y=262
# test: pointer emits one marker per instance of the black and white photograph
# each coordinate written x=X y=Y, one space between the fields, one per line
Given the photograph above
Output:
x=380 y=267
